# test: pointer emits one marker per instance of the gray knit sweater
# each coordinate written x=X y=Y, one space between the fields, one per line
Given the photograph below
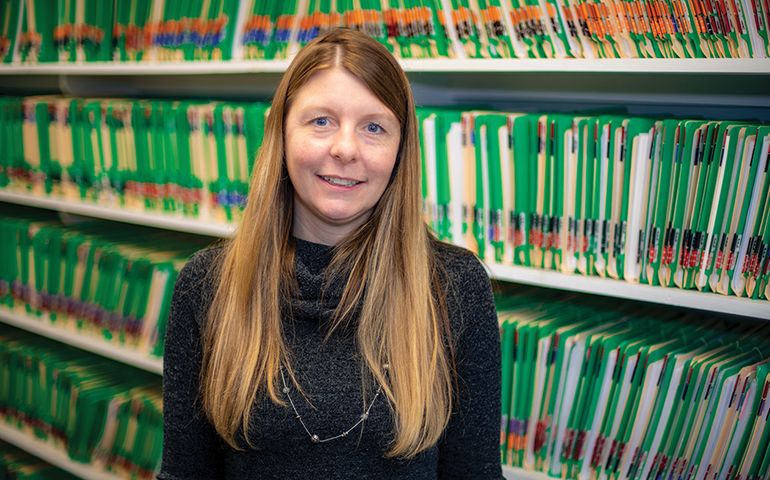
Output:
x=330 y=374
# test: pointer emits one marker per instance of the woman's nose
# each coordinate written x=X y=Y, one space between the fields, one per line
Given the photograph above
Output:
x=344 y=144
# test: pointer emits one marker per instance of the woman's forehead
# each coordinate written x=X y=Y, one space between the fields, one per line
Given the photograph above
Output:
x=335 y=88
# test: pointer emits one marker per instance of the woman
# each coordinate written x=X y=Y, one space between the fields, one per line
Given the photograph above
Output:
x=334 y=337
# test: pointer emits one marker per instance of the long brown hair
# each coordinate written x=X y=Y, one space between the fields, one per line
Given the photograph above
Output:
x=393 y=284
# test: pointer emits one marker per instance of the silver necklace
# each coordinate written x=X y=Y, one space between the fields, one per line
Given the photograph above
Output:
x=314 y=438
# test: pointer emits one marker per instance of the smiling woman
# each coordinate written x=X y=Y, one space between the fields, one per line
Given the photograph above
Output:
x=341 y=147
x=334 y=335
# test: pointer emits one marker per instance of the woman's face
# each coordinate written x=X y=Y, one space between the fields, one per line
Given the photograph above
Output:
x=341 y=146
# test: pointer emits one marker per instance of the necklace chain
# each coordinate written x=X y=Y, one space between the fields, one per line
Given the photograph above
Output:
x=314 y=438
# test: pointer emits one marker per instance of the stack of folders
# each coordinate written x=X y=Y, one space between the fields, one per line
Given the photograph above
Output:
x=627 y=393
x=163 y=30
x=408 y=28
x=126 y=30
x=17 y=464
x=677 y=203
x=98 y=412
x=96 y=278
x=191 y=158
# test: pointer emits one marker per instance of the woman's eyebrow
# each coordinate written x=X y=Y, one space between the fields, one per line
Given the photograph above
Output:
x=315 y=110
x=380 y=116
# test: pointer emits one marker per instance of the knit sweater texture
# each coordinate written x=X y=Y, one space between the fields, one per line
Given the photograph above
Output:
x=329 y=372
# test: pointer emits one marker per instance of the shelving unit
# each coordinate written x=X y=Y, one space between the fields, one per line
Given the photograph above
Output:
x=88 y=343
x=530 y=276
x=726 y=88
x=55 y=457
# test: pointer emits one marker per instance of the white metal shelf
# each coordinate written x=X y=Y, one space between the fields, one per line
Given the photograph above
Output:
x=732 y=66
x=516 y=473
x=531 y=276
x=619 y=65
x=148 y=68
x=732 y=89
x=171 y=222
x=59 y=458
x=91 y=344
x=621 y=289
x=52 y=455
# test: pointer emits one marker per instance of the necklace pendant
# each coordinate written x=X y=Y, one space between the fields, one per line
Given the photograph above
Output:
x=315 y=439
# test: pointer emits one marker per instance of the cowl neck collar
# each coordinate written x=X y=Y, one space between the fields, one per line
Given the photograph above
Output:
x=318 y=295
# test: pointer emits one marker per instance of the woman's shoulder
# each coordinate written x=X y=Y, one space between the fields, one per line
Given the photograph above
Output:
x=468 y=294
x=462 y=275
x=458 y=263
x=197 y=280
x=202 y=263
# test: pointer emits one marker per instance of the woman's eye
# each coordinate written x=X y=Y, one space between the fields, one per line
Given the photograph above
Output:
x=374 y=128
x=321 y=122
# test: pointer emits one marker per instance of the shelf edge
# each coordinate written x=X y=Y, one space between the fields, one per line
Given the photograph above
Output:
x=516 y=473
x=82 y=342
x=621 y=289
x=148 y=219
x=55 y=457
x=46 y=452
x=729 y=66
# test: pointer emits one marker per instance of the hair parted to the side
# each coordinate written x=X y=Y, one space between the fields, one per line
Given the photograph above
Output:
x=393 y=284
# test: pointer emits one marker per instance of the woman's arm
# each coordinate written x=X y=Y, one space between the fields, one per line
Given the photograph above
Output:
x=191 y=447
x=470 y=448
